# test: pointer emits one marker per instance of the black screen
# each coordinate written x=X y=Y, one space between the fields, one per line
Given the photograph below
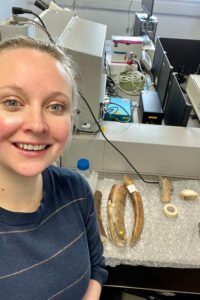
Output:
x=164 y=79
x=182 y=53
x=157 y=61
x=177 y=110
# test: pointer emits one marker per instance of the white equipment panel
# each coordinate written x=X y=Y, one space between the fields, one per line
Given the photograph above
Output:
x=193 y=92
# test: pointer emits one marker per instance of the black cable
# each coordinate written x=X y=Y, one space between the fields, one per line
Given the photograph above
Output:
x=113 y=109
x=112 y=118
x=44 y=3
x=111 y=87
x=109 y=142
x=20 y=11
x=85 y=131
x=28 y=21
x=118 y=105
x=40 y=4
x=139 y=66
x=110 y=82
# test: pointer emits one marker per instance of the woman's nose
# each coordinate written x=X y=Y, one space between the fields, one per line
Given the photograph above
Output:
x=36 y=122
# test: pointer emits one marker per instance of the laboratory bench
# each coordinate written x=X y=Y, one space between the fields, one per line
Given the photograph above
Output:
x=165 y=261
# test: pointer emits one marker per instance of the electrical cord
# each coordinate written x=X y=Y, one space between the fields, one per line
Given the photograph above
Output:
x=126 y=93
x=109 y=142
x=85 y=131
x=40 y=4
x=139 y=65
x=108 y=70
x=111 y=87
x=117 y=120
x=28 y=21
x=130 y=82
x=117 y=106
x=20 y=11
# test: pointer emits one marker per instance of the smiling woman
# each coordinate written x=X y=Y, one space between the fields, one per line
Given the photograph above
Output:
x=38 y=113
x=47 y=220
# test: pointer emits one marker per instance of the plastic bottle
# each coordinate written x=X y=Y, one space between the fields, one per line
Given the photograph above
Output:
x=83 y=168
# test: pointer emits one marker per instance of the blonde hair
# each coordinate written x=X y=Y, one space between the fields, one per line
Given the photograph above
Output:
x=53 y=50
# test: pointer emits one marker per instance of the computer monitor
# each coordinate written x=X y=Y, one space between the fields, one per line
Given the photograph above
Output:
x=177 y=111
x=184 y=53
x=164 y=79
x=147 y=5
x=157 y=61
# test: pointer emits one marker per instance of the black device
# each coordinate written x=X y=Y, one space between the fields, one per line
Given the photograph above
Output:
x=148 y=5
x=164 y=80
x=178 y=109
x=150 y=110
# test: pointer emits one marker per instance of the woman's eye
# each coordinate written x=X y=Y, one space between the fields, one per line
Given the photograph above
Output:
x=57 y=107
x=12 y=103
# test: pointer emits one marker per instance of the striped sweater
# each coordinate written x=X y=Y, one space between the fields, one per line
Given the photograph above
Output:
x=52 y=253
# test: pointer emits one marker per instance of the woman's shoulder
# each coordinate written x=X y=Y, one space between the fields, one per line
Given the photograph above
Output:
x=65 y=186
x=64 y=177
x=61 y=173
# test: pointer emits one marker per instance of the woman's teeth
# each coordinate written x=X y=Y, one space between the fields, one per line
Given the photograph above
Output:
x=31 y=147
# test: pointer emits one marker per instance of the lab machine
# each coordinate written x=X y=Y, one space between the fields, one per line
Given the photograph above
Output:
x=146 y=22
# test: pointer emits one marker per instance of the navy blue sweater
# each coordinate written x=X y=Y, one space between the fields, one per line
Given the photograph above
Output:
x=53 y=252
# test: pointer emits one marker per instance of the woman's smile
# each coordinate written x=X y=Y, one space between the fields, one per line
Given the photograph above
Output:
x=30 y=147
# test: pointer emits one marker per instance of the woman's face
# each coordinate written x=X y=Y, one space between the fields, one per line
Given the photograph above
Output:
x=35 y=110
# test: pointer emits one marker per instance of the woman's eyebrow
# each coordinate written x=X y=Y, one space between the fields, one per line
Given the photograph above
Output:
x=58 y=93
x=13 y=87
x=20 y=89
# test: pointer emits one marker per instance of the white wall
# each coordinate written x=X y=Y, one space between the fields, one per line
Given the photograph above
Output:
x=168 y=25
x=176 y=18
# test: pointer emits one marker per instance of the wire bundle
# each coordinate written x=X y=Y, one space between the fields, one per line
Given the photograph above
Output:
x=130 y=82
